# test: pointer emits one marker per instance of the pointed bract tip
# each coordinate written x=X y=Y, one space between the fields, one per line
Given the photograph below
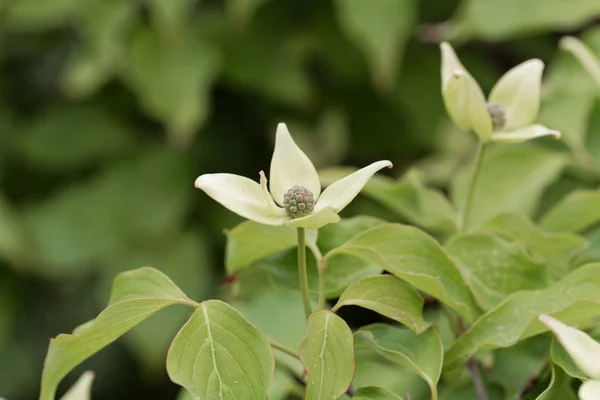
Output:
x=199 y=181
x=389 y=164
x=282 y=129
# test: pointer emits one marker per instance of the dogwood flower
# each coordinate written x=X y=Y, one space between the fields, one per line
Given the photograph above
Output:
x=294 y=195
x=512 y=106
x=584 y=351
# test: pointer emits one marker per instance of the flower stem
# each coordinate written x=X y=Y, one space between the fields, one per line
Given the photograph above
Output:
x=322 y=264
x=302 y=273
x=322 y=267
x=283 y=348
x=464 y=220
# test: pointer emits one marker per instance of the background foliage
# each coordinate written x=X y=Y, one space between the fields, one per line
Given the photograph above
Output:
x=110 y=108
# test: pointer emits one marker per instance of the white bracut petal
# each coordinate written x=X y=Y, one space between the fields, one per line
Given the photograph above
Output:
x=584 y=351
x=589 y=390
x=241 y=195
x=273 y=207
x=290 y=166
x=340 y=193
x=450 y=64
x=524 y=134
x=316 y=220
x=463 y=98
x=518 y=92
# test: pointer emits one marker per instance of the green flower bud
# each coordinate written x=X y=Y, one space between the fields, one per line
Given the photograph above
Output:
x=497 y=113
x=298 y=202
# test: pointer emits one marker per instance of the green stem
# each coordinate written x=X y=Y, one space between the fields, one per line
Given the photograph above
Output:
x=283 y=348
x=322 y=287
x=464 y=220
x=302 y=273
x=322 y=268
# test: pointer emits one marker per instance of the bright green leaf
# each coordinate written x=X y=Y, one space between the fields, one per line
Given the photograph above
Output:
x=554 y=250
x=327 y=352
x=372 y=369
x=423 y=353
x=494 y=268
x=380 y=30
x=511 y=180
x=82 y=389
x=389 y=296
x=572 y=300
x=575 y=212
x=559 y=388
x=280 y=316
x=219 y=354
x=136 y=295
x=412 y=255
x=375 y=393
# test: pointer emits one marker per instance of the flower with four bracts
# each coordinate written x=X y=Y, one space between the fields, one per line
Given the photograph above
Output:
x=294 y=196
x=511 y=109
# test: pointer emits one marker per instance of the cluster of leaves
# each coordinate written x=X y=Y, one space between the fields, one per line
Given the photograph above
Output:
x=89 y=188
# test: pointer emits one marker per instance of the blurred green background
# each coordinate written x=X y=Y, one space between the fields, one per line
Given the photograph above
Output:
x=109 y=109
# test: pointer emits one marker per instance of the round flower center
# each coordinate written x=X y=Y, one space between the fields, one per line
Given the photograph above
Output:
x=298 y=201
x=497 y=113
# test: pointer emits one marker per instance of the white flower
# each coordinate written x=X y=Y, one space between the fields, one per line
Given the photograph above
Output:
x=514 y=101
x=589 y=390
x=290 y=168
x=584 y=351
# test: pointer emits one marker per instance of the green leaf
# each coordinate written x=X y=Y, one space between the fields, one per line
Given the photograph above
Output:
x=136 y=295
x=494 y=267
x=73 y=137
x=389 y=296
x=412 y=255
x=219 y=354
x=375 y=393
x=423 y=353
x=250 y=241
x=172 y=81
x=140 y=200
x=372 y=369
x=499 y=19
x=555 y=250
x=13 y=240
x=82 y=389
x=104 y=29
x=574 y=213
x=512 y=180
x=327 y=352
x=408 y=197
x=572 y=300
x=559 y=388
x=531 y=356
x=280 y=316
x=380 y=30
